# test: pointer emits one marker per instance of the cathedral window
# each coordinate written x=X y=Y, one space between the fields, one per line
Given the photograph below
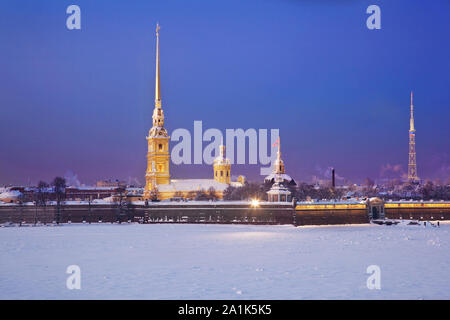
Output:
x=160 y=146
x=221 y=173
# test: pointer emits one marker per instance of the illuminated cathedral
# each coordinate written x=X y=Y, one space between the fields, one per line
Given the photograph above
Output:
x=157 y=176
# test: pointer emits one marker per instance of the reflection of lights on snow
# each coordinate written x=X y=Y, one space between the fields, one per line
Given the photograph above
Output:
x=255 y=203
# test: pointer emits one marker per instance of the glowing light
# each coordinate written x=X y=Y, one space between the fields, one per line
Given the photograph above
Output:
x=255 y=203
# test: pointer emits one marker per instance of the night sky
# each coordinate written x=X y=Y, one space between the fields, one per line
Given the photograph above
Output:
x=80 y=102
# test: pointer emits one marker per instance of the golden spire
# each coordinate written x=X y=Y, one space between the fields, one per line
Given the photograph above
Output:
x=279 y=164
x=157 y=81
x=222 y=149
x=158 y=114
x=279 y=149
x=411 y=121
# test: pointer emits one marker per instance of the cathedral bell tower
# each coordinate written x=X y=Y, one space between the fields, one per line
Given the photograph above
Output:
x=158 y=156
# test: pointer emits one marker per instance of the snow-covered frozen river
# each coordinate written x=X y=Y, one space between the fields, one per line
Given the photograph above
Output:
x=224 y=262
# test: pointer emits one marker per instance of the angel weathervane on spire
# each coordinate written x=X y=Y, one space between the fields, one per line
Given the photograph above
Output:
x=157 y=29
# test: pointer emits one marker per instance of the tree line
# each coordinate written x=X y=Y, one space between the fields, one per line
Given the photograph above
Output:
x=303 y=191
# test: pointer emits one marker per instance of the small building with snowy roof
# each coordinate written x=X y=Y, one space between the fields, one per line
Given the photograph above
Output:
x=10 y=196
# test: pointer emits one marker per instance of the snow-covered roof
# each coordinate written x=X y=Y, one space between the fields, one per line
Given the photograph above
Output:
x=7 y=204
x=36 y=189
x=419 y=201
x=14 y=194
x=332 y=202
x=191 y=185
x=209 y=202
x=104 y=200
x=221 y=160
x=274 y=175
x=236 y=184
x=91 y=188
x=278 y=191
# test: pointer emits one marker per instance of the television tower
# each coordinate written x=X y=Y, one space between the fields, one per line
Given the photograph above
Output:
x=412 y=165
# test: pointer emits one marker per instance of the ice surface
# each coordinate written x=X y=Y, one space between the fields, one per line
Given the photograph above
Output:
x=184 y=261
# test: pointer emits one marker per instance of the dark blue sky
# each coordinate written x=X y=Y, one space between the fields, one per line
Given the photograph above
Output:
x=82 y=100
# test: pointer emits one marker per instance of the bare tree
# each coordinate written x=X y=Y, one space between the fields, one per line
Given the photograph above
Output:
x=201 y=195
x=212 y=194
x=40 y=198
x=178 y=194
x=304 y=191
x=230 y=193
x=154 y=194
x=41 y=194
x=191 y=195
x=20 y=203
x=249 y=190
x=59 y=185
x=121 y=202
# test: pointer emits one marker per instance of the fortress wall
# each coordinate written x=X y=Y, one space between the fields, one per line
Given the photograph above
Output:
x=418 y=213
x=215 y=212
x=48 y=214
x=201 y=213
x=330 y=216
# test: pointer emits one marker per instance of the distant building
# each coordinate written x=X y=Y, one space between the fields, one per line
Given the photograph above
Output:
x=110 y=184
x=84 y=193
x=90 y=193
x=11 y=196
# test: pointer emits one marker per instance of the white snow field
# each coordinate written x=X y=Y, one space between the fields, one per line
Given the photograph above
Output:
x=186 y=261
